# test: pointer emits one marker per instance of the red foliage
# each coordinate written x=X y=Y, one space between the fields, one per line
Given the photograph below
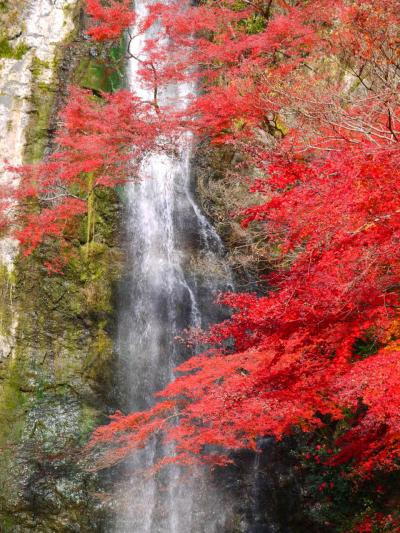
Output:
x=112 y=18
x=49 y=222
x=332 y=208
x=99 y=143
x=377 y=522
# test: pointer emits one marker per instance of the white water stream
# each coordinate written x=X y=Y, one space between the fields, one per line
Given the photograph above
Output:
x=175 y=269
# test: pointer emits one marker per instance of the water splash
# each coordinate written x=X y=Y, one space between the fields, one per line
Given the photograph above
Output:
x=176 y=267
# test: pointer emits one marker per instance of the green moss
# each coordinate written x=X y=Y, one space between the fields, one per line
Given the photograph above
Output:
x=238 y=5
x=254 y=24
x=69 y=10
x=52 y=385
x=37 y=135
x=98 y=77
x=92 y=75
x=8 y=524
x=87 y=423
x=38 y=66
x=12 y=401
x=105 y=72
x=49 y=397
x=5 y=48
x=42 y=101
x=281 y=126
x=99 y=356
x=10 y=52
x=13 y=407
x=7 y=286
x=20 y=50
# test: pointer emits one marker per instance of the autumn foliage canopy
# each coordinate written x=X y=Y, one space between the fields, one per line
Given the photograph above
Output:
x=110 y=20
x=309 y=94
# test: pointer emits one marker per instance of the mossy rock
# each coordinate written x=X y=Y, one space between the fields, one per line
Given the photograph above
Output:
x=54 y=383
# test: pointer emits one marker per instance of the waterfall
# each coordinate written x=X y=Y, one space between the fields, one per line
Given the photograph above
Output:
x=175 y=268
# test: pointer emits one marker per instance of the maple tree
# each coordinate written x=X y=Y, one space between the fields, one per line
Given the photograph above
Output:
x=327 y=146
x=109 y=19
x=100 y=143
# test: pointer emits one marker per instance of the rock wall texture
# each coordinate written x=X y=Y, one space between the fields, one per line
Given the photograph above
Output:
x=31 y=34
x=55 y=331
x=222 y=180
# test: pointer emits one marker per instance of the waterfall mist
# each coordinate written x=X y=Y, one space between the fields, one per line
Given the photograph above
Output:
x=175 y=268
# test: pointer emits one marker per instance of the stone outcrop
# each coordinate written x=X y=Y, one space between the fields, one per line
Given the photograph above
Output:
x=32 y=32
x=56 y=344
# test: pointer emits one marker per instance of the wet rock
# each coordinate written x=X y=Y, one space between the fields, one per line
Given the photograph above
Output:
x=55 y=336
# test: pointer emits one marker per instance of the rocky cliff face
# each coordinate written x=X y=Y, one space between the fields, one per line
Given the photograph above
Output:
x=55 y=331
x=223 y=180
x=31 y=33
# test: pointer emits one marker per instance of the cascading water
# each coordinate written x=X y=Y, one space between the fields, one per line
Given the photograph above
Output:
x=175 y=268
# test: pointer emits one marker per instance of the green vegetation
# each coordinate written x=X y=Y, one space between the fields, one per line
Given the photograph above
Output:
x=10 y=52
